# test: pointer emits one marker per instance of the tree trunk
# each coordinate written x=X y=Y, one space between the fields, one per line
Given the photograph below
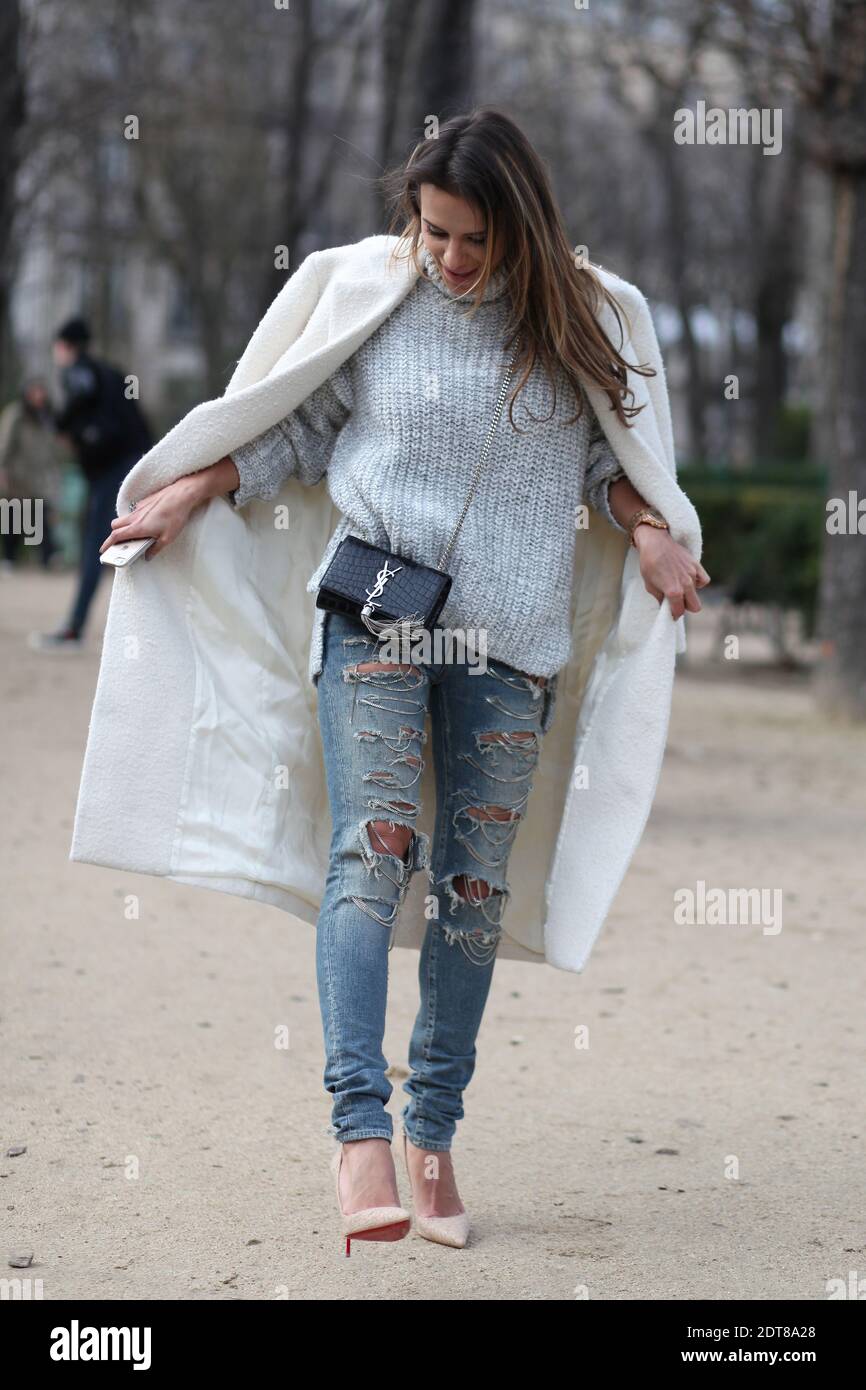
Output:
x=677 y=245
x=442 y=80
x=427 y=69
x=11 y=121
x=775 y=294
x=841 y=678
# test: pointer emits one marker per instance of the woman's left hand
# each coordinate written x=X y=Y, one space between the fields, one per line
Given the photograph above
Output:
x=669 y=571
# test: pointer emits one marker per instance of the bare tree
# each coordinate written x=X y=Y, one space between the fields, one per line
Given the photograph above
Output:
x=630 y=52
x=753 y=249
x=11 y=123
x=766 y=49
x=238 y=148
x=822 y=49
x=309 y=165
x=428 y=57
x=398 y=28
x=840 y=149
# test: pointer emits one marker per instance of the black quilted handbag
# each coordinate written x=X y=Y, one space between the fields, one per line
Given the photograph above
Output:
x=389 y=593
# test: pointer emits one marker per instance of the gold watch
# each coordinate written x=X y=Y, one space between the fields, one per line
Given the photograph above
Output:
x=651 y=515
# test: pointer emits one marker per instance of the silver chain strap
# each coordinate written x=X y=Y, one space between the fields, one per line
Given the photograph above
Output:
x=482 y=458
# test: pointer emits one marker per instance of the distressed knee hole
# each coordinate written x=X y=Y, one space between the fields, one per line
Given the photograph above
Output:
x=473 y=889
x=389 y=838
x=479 y=938
x=390 y=852
x=502 y=813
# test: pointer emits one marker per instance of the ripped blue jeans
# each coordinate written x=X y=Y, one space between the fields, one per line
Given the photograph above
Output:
x=486 y=730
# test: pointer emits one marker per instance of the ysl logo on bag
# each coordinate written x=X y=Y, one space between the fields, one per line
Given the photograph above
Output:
x=379 y=587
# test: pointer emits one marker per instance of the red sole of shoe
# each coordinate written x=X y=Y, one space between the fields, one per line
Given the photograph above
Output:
x=396 y=1231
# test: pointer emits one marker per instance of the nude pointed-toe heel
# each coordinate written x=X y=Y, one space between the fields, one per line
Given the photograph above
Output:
x=444 y=1230
x=370 y=1223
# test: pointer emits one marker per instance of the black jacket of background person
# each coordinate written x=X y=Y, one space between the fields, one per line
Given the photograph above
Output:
x=104 y=425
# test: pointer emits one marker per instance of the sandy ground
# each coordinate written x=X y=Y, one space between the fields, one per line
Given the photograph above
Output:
x=707 y=1144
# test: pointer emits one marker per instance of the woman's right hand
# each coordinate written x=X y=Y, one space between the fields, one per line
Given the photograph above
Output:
x=163 y=514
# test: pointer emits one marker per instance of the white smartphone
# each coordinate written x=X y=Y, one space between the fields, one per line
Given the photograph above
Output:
x=124 y=552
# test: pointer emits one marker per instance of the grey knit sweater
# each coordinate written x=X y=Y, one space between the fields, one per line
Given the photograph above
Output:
x=397 y=430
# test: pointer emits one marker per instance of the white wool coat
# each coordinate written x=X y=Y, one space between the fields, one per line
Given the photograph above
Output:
x=203 y=761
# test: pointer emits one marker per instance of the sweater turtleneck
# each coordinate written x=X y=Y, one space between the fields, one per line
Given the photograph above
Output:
x=494 y=290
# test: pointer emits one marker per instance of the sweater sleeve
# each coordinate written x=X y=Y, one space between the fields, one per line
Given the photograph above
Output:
x=602 y=468
x=299 y=446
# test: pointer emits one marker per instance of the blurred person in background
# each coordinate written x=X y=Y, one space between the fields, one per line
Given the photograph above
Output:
x=109 y=434
x=30 y=465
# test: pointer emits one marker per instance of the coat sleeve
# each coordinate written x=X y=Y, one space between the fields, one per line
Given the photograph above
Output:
x=602 y=468
x=298 y=446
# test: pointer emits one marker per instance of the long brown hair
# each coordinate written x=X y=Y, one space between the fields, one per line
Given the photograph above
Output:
x=484 y=158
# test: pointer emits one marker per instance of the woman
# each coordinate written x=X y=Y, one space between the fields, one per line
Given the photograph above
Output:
x=395 y=433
